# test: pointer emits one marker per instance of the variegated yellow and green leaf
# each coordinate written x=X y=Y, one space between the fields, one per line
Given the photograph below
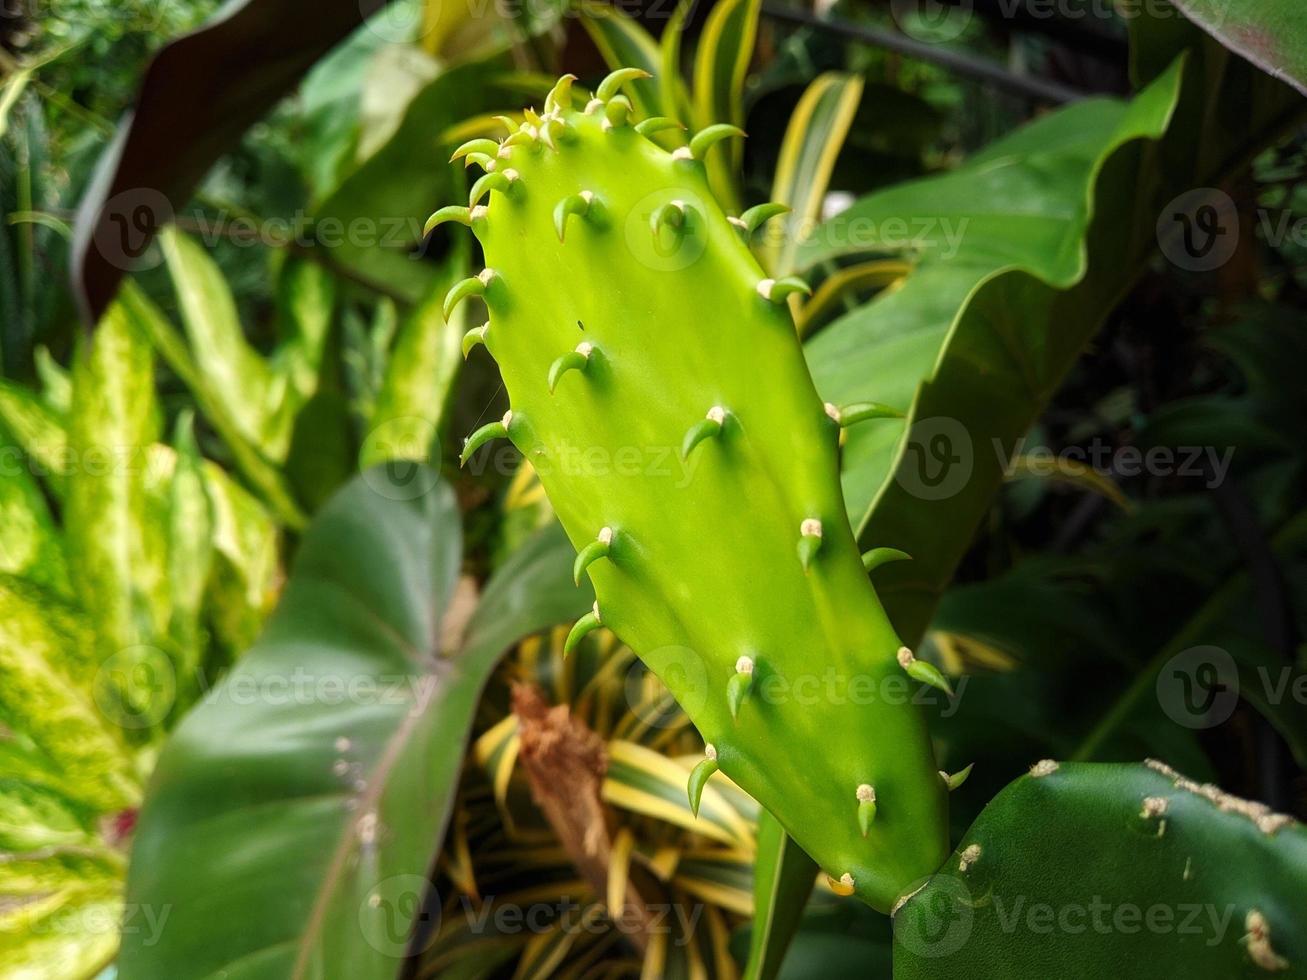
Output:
x=29 y=541
x=623 y=43
x=190 y=552
x=37 y=430
x=720 y=65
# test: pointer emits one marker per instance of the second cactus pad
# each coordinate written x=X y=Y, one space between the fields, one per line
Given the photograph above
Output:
x=658 y=387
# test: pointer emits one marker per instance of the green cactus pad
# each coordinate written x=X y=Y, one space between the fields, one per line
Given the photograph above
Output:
x=691 y=429
x=1121 y=871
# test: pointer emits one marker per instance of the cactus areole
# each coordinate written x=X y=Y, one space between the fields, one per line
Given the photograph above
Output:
x=658 y=387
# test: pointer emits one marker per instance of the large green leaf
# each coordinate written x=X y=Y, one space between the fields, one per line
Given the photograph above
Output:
x=1095 y=870
x=190 y=111
x=295 y=814
x=1019 y=256
x=783 y=877
x=1272 y=34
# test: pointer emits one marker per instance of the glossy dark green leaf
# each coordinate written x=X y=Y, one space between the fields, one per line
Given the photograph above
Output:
x=1272 y=34
x=295 y=814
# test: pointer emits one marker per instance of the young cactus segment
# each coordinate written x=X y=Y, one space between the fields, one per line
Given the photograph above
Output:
x=453 y=212
x=921 y=670
x=704 y=140
x=584 y=626
x=498 y=180
x=494 y=430
x=955 y=780
x=738 y=687
x=486 y=146
x=613 y=83
x=1084 y=840
x=599 y=548
x=656 y=124
x=778 y=290
x=757 y=216
x=560 y=96
x=703 y=566
x=699 y=777
x=810 y=532
x=575 y=360
x=876 y=557
x=709 y=428
x=866 y=796
x=578 y=204
x=477 y=335
x=473 y=286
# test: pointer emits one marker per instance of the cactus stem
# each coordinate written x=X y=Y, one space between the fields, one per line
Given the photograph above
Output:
x=809 y=541
x=616 y=79
x=866 y=796
x=494 y=430
x=560 y=96
x=585 y=625
x=738 y=687
x=702 y=141
x=656 y=124
x=494 y=181
x=486 y=146
x=461 y=290
x=920 y=670
x=957 y=779
x=754 y=218
x=617 y=112
x=575 y=360
x=699 y=777
x=776 y=290
x=477 y=335
x=591 y=553
x=578 y=204
x=876 y=557
x=453 y=212
x=708 y=428
x=842 y=887
x=969 y=856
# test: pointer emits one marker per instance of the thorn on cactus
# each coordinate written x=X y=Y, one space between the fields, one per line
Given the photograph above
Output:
x=866 y=795
x=876 y=557
x=615 y=80
x=843 y=887
x=656 y=124
x=957 y=779
x=477 y=335
x=473 y=286
x=453 y=212
x=809 y=541
x=485 y=146
x=552 y=132
x=495 y=181
x=738 y=687
x=525 y=136
x=617 y=112
x=776 y=290
x=920 y=670
x=578 y=204
x=860 y=412
x=704 y=140
x=670 y=215
x=575 y=360
x=754 y=218
x=483 y=160
x=709 y=428
x=560 y=96
x=969 y=856
x=509 y=124
x=584 y=626
x=494 y=430
x=600 y=547
x=699 y=777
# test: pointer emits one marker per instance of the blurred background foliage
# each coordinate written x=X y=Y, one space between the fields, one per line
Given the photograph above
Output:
x=285 y=333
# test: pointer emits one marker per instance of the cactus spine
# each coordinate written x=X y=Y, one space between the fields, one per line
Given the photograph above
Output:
x=658 y=387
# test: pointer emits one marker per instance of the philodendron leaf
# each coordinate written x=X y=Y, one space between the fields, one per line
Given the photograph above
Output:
x=295 y=813
x=783 y=876
x=1019 y=256
x=1119 y=870
x=1272 y=34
